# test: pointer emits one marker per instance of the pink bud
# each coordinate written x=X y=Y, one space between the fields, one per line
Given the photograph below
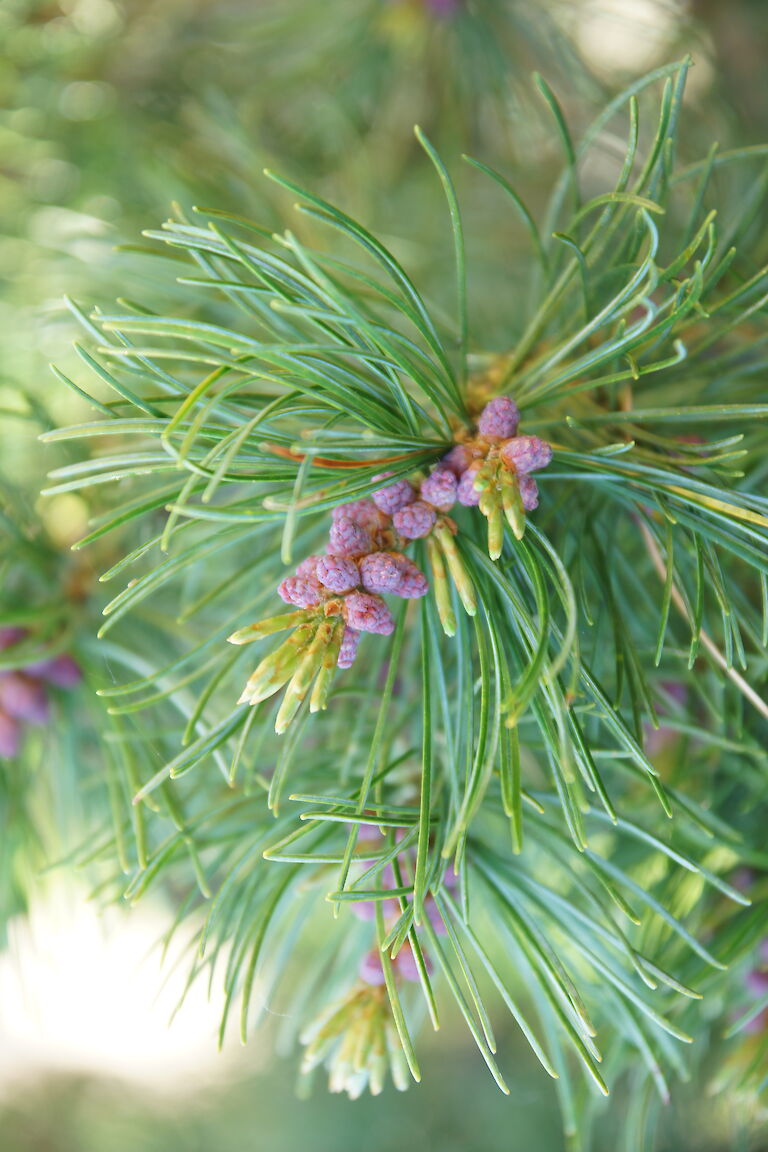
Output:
x=394 y=497
x=413 y=582
x=434 y=917
x=10 y=636
x=465 y=493
x=369 y=835
x=439 y=489
x=415 y=521
x=499 y=419
x=347 y=538
x=529 y=492
x=366 y=909
x=757 y=983
x=364 y=513
x=367 y=613
x=405 y=963
x=10 y=735
x=380 y=572
x=308 y=567
x=526 y=453
x=458 y=459
x=302 y=591
x=23 y=698
x=370 y=970
x=349 y=644
x=62 y=671
x=338 y=573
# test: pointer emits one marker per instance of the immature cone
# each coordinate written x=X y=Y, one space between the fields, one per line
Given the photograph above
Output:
x=406 y=966
x=308 y=568
x=466 y=493
x=499 y=419
x=439 y=489
x=338 y=573
x=413 y=583
x=23 y=698
x=339 y=594
x=61 y=671
x=526 y=453
x=348 y=538
x=415 y=521
x=349 y=646
x=303 y=591
x=362 y=512
x=380 y=572
x=458 y=460
x=368 y=613
x=394 y=497
x=370 y=970
x=529 y=492
x=493 y=471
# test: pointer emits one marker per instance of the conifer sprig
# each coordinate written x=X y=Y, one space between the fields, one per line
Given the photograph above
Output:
x=511 y=747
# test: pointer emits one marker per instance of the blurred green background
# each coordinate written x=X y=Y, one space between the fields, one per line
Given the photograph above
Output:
x=109 y=112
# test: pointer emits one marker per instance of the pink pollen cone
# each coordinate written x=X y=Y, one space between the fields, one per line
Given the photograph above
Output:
x=415 y=521
x=394 y=497
x=439 y=489
x=303 y=592
x=338 y=573
x=499 y=419
x=348 y=538
x=350 y=642
x=62 y=671
x=526 y=453
x=23 y=698
x=10 y=735
x=368 y=613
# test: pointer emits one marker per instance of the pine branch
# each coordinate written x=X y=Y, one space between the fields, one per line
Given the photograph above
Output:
x=483 y=784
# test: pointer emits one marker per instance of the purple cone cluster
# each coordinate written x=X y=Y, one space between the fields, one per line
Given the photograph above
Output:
x=364 y=559
x=497 y=438
x=404 y=964
x=24 y=695
x=361 y=563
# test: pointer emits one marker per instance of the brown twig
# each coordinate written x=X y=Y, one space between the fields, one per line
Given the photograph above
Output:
x=326 y=462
